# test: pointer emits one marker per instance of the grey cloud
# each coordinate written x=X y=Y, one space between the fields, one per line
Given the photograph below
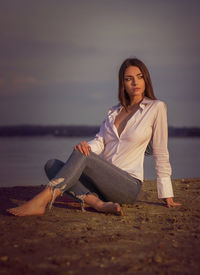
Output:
x=73 y=50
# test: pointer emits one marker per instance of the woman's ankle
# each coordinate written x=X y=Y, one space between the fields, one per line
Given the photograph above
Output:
x=51 y=195
x=93 y=201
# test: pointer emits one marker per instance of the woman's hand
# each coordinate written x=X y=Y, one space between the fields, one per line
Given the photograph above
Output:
x=83 y=147
x=170 y=202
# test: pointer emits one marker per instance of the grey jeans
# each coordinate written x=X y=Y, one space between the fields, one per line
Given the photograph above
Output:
x=82 y=175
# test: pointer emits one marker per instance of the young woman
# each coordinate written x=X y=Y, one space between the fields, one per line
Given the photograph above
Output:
x=108 y=170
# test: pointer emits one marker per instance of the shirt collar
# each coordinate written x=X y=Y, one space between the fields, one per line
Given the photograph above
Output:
x=116 y=109
x=145 y=102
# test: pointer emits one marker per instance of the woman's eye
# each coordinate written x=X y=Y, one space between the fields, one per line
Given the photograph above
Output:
x=131 y=79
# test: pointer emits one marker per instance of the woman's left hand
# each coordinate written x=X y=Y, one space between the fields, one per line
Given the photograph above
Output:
x=171 y=203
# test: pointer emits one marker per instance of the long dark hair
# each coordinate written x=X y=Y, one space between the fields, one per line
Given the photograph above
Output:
x=122 y=94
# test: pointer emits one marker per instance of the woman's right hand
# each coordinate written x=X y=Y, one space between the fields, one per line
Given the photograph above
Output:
x=83 y=147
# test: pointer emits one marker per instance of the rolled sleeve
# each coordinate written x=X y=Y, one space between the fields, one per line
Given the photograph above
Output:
x=160 y=152
x=164 y=188
x=97 y=144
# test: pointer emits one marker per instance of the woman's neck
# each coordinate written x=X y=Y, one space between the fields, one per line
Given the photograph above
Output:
x=135 y=100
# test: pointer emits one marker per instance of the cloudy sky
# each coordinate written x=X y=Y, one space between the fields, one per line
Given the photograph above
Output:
x=59 y=59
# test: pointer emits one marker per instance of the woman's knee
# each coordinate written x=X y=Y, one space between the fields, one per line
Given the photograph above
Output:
x=49 y=164
x=52 y=167
x=78 y=153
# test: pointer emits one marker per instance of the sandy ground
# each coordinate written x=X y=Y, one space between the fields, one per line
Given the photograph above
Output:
x=148 y=239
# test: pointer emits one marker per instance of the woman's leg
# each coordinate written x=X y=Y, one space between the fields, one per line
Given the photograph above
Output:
x=83 y=186
x=35 y=206
x=113 y=183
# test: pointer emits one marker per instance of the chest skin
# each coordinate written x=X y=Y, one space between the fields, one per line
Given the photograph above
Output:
x=122 y=119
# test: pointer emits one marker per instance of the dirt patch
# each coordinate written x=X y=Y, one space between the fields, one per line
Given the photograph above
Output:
x=148 y=239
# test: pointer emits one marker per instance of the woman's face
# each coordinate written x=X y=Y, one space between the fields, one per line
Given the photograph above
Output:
x=134 y=83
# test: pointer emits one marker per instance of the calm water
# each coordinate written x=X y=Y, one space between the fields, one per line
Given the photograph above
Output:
x=22 y=159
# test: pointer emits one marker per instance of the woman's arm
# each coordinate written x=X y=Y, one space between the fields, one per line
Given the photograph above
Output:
x=161 y=155
x=83 y=147
x=95 y=145
x=171 y=203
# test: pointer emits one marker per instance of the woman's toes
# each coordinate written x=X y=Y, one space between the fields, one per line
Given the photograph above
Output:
x=13 y=211
x=119 y=211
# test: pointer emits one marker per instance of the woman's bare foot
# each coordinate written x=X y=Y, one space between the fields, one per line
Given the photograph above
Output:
x=111 y=207
x=35 y=206
x=101 y=206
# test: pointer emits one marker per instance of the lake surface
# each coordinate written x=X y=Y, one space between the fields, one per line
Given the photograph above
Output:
x=22 y=159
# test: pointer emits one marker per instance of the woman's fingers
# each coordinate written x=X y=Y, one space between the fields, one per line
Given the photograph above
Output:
x=83 y=147
x=80 y=148
x=174 y=204
x=87 y=148
x=171 y=203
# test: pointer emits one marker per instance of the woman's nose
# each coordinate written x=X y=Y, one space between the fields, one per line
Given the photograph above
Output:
x=133 y=82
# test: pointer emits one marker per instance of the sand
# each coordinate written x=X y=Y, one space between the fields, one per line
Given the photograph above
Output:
x=149 y=239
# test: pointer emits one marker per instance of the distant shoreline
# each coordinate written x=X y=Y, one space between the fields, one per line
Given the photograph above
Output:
x=78 y=131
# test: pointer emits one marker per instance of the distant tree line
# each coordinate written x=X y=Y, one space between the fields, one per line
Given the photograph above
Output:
x=184 y=131
x=78 y=131
x=39 y=130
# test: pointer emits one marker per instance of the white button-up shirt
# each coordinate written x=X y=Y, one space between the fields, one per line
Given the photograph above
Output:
x=147 y=126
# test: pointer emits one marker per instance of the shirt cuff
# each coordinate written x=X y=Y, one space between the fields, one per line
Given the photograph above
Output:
x=94 y=147
x=164 y=187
